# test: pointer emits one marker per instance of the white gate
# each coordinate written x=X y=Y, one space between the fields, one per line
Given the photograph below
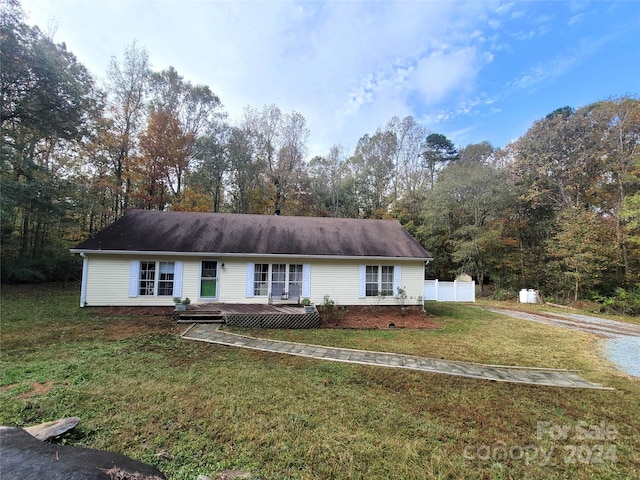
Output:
x=449 y=291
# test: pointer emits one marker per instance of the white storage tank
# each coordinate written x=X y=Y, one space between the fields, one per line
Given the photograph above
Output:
x=523 y=295
x=528 y=296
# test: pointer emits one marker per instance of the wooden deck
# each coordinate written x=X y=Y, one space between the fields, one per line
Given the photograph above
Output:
x=246 y=308
x=254 y=315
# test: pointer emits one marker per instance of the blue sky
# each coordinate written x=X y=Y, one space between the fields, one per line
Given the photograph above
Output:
x=473 y=71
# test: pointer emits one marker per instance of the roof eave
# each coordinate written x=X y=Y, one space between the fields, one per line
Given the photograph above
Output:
x=239 y=254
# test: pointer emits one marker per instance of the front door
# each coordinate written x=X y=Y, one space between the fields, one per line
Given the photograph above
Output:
x=209 y=279
x=286 y=280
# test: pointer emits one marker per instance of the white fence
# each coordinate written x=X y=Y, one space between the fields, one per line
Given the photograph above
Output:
x=449 y=291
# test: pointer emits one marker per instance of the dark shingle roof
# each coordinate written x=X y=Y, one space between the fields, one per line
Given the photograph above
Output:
x=227 y=233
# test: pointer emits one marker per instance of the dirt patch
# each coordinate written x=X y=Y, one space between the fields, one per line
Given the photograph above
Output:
x=38 y=389
x=130 y=321
x=378 y=317
x=140 y=326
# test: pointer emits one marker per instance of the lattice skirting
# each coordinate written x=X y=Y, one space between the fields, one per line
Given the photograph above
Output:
x=273 y=320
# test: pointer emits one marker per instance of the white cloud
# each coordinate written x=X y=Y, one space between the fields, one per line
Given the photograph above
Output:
x=354 y=64
x=576 y=19
x=440 y=73
x=347 y=66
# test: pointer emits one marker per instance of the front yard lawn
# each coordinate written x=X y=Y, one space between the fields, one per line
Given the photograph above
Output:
x=194 y=409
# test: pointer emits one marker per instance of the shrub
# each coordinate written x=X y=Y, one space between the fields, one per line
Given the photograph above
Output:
x=624 y=302
x=329 y=308
x=502 y=294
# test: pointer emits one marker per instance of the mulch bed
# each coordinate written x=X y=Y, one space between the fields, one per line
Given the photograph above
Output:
x=363 y=317
x=378 y=318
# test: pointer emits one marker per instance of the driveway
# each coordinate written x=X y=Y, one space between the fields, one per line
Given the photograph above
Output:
x=622 y=340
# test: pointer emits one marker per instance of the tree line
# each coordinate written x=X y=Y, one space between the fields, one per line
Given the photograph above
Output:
x=558 y=209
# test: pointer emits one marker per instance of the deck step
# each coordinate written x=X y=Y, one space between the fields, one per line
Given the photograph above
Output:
x=200 y=320
x=200 y=316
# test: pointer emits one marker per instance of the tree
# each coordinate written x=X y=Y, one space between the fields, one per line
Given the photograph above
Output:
x=439 y=150
x=372 y=168
x=194 y=106
x=476 y=153
x=163 y=160
x=463 y=215
x=410 y=142
x=326 y=176
x=49 y=102
x=562 y=112
x=410 y=177
x=572 y=161
x=127 y=87
x=622 y=160
x=631 y=215
x=212 y=156
x=247 y=189
x=280 y=142
x=583 y=251
x=195 y=109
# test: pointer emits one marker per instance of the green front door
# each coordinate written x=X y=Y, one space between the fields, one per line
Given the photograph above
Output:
x=209 y=279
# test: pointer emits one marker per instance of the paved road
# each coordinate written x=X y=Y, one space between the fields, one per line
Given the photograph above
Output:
x=534 y=376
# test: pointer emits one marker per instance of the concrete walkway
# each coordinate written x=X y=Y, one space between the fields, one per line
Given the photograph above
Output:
x=498 y=373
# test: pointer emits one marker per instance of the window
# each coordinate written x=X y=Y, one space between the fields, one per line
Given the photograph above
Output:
x=372 y=281
x=165 y=284
x=379 y=281
x=147 y=278
x=285 y=279
x=295 y=281
x=386 y=281
x=261 y=279
x=156 y=278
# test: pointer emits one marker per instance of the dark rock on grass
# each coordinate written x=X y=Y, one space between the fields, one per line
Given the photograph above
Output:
x=24 y=457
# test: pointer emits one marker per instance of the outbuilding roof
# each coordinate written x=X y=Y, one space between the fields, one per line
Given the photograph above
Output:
x=228 y=233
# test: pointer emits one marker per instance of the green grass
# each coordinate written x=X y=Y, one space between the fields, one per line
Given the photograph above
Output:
x=468 y=333
x=192 y=408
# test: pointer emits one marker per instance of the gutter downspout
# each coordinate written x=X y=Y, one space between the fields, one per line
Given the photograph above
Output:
x=83 y=288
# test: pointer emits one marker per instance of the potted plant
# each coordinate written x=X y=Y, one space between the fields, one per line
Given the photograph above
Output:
x=181 y=305
x=308 y=308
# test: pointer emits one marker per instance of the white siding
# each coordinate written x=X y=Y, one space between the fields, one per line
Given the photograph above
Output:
x=108 y=280
x=341 y=281
x=233 y=281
